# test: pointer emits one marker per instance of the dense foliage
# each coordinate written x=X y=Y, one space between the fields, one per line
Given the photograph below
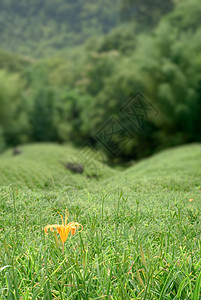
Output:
x=146 y=12
x=72 y=96
x=41 y=27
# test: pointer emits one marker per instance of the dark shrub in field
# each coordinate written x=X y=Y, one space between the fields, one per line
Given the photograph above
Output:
x=75 y=167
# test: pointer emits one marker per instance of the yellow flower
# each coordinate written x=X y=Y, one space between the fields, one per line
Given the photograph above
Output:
x=65 y=228
x=190 y=200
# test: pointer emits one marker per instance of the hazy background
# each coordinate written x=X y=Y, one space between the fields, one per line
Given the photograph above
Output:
x=68 y=67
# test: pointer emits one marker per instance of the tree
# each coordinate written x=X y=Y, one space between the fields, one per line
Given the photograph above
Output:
x=11 y=113
x=43 y=114
x=145 y=13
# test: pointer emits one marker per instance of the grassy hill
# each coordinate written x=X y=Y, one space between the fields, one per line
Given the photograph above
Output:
x=177 y=169
x=43 y=166
x=141 y=236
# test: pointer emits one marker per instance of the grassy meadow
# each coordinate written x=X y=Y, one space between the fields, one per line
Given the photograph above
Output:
x=141 y=226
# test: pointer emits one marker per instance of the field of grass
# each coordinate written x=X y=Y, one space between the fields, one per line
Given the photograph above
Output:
x=141 y=226
x=42 y=166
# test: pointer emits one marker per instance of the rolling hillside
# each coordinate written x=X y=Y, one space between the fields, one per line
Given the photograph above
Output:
x=43 y=166
x=177 y=169
x=157 y=182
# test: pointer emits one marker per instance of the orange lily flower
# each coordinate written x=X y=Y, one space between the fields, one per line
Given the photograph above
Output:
x=64 y=229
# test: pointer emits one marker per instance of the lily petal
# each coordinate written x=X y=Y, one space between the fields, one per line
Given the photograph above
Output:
x=50 y=227
x=63 y=232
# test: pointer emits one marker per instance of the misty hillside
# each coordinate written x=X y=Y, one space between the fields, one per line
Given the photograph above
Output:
x=38 y=25
x=41 y=28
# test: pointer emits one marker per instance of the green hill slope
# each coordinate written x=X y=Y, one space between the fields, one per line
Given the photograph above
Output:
x=172 y=175
x=172 y=172
x=176 y=169
x=43 y=166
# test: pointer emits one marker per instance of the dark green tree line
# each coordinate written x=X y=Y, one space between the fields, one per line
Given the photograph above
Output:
x=71 y=97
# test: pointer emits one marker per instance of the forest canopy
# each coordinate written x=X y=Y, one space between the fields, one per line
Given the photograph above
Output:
x=68 y=91
x=41 y=28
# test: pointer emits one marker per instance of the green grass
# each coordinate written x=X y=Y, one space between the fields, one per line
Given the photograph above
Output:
x=141 y=237
x=42 y=166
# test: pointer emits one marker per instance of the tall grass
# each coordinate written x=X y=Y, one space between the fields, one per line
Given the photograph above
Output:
x=124 y=252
